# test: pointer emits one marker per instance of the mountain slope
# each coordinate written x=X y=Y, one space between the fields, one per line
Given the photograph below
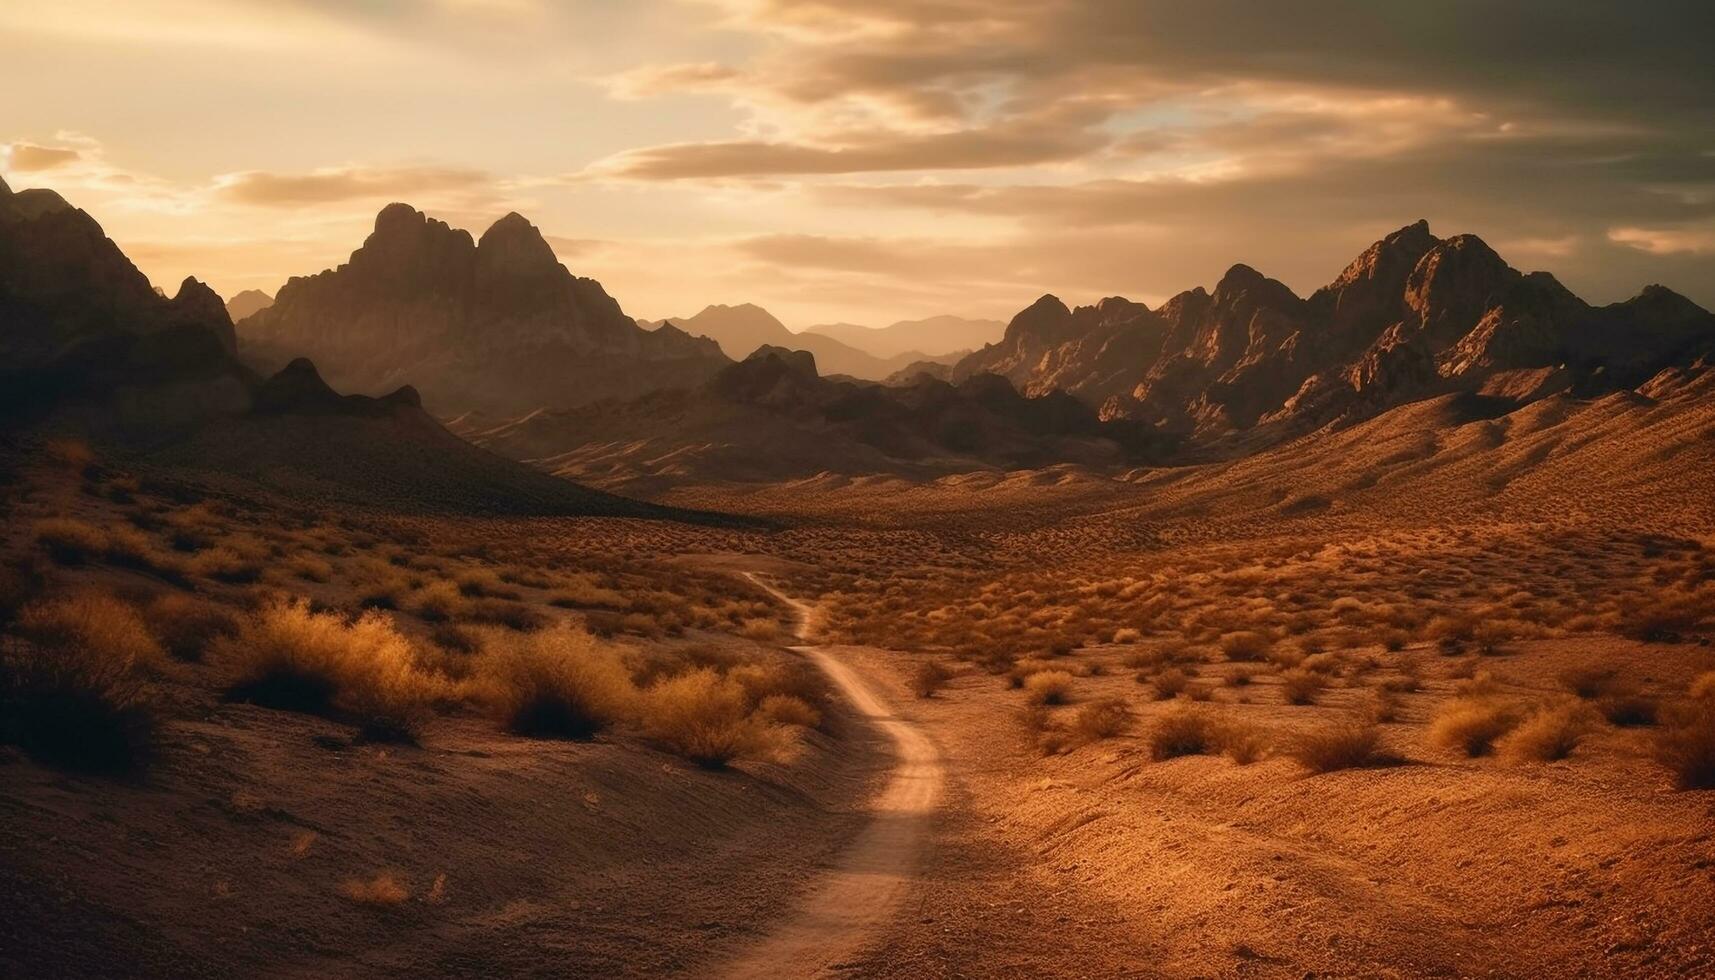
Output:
x=494 y=324
x=933 y=337
x=771 y=417
x=1414 y=316
x=741 y=330
x=247 y=303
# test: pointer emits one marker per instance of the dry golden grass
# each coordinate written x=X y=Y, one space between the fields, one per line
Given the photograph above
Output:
x=1686 y=745
x=1346 y=744
x=1185 y=731
x=708 y=719
x=1591 y=682
x=1102 y=719
x=558 y=683
x=1244 y=645
x=185 y=625
x=384 y=889
x=73 y=693
x=1170 y=683
x=362 y=671
x=1628 y=710
x=1471 y=724
x=760 y=629
x=1703 y=686
x=1048 y=687
x=1549 y=733
x=789 y=709
x=1302 y=687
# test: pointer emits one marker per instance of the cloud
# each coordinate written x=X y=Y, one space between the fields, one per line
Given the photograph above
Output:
x=28 y=157
x=653 y=80
x=1665 y=241
x=262 y=188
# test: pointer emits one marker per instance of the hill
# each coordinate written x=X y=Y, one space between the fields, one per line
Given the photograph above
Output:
x=741 y=330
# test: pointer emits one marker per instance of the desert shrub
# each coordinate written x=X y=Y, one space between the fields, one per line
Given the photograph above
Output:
x=1021 y=670
x=707 y=719
x=760 y=629
x=1686 y=746
x=1245 y=645
x=361 y=671
x=74 y=694
x=1478 y=684
x=1471 y=724
x=558 y=683
x=1102 y=720
x=1348 y=744
x=789 y=709
x=1703 y=687
x=1549 y=733
x=439 y=602
x=1385 y=707
x=1302 y=687
x=1287 y=658
x=1127 y=635
x=1628 y=710
x=185 y=625
x=310 y=568
x=1169 y=683
x=455 y=639
x=503 y=612
x=1184 y=731
x=928 y=677
x=1242 y=677
x=1590 y=683
x=1198 y=691
x=382 y=890
x=1048 y=687
x=225 y=563
x=70 y=541
x=1242 y=743
x=481 y=583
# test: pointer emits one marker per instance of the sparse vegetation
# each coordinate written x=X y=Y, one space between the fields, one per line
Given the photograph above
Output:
x=708 y=719
x=1549 y=733
x=1347 y=744
x=929 y=677
x=1471 y=725
x=1686 y=746
x=1048 y=687
x=558 y=683
x=384 y=889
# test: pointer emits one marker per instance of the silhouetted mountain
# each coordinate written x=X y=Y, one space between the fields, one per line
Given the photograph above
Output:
x=770 y=417
x=247 y=303
x=932 y=338
x=90 y=349
x=741 y=330
x=1412 y=317
x=494 y=324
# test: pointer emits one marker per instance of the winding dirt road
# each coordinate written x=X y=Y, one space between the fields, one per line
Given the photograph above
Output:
x=848 y=910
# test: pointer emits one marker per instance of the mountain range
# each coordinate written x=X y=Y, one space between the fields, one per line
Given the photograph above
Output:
x=934 y=337
x=89 y=349
x=741 y=330
x=1413 y=317
x=771 y=417
x=491 y=324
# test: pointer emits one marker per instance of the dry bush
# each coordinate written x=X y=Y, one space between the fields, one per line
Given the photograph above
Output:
x=789 y=709
x=1048 y=687
x=1479 y=684
x=1302 y=687
x=70 y=541
x=558 y=683
x=1628 y=710
x=1127 y=635
x=74 y=696
x=1020 y=671
x=360 y=671
x=1184 y=731
x=760 y=629
x=929 y=677
x=479 y=583
x=185 y=625
x=708 y=719
x=1286 y=658
x=226 y=563
x=1241 y=742
x=1550 y=733
x=504 y=612
x=384 y=889
x=1703 y=687
x=1385 y=707
x=1169 y=683
x=1242 y=677
x=1686 y=746
x=1590 y=683
x=1102 y=719
x=439 y=602
x=456 y=639
x=1198 y=691
x=1348 y=744
x=1471 y=724
x=1244 y=645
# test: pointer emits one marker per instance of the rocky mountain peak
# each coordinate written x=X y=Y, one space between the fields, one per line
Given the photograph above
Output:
x=515 y=245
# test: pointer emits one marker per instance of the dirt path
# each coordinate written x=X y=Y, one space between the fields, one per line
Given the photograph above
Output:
x=860 y=896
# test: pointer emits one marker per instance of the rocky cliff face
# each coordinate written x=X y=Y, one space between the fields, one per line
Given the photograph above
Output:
x=1413 y=316
x=65 y=284
x=493 y=324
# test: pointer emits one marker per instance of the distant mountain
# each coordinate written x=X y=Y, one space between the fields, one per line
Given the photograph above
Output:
x=934 y=337
x=88 y=347
x=771 y=417
x=741 y=330
x=1414 y=316
x=492 y=324
x=248 y=302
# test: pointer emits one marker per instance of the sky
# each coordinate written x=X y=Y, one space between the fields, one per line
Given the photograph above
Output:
x=875 y=160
